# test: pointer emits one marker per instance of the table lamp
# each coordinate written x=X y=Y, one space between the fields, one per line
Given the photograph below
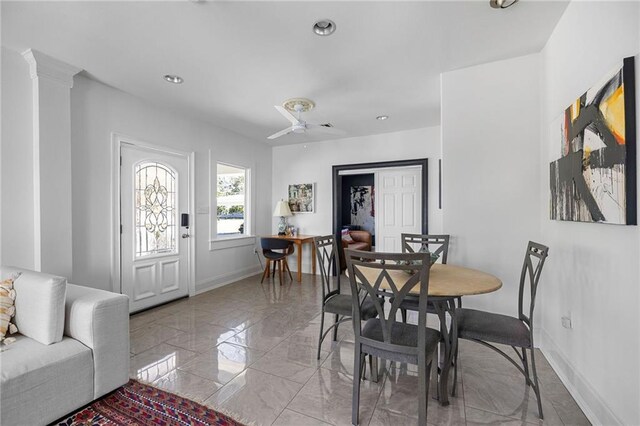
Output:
x=282 y=210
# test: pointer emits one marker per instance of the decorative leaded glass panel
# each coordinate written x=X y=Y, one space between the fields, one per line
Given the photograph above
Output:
x=155 y=209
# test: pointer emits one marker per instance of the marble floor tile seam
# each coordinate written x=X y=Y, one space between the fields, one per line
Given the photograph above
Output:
x=296 y=394
x=297 y=411
x=529 y=422
x=185 y=394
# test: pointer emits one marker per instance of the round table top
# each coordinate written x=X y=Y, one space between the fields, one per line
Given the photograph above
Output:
x=445 y=280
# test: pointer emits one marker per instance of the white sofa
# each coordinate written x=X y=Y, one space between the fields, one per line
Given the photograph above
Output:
x=72 y=348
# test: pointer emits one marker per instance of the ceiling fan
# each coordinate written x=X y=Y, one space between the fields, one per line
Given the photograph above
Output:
x=298 y=125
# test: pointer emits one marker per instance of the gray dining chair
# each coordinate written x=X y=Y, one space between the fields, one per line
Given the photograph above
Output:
x=383 y=336
x=487 y=328
x=333 y=301
x=416 y=243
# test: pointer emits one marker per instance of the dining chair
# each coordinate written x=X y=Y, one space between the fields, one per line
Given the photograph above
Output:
x=487 y=328
x=383 y=336
x=333 y=301
x=276 y=250
x=416 y=243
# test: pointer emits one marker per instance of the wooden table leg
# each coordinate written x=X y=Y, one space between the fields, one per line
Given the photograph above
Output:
x=299 y=250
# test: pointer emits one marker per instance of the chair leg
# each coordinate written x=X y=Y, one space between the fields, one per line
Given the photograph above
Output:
x=373 y=366
x=286 y=266
x=403 y=312
x=525 y=365
x=455 y=372
x=423 y=387
x=279 y=263
x=335 y=329
x=536 y=388
x=267 y=269
x=357 y=374
x=320 y=339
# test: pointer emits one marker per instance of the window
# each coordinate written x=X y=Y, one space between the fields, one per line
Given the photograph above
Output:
x=231 y=196
x=155 y=213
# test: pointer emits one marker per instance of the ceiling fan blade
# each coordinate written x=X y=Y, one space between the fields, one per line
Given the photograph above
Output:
x=286 y=114
x=281 y=133
x=317 y=128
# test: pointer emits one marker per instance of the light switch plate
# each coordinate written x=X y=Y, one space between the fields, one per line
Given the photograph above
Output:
x=566 y=322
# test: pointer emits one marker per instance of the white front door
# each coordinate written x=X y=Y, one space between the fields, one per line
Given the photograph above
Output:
x=154 y=247
x=398 y=206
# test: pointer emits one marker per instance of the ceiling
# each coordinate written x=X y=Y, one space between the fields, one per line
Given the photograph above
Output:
x=238 y=58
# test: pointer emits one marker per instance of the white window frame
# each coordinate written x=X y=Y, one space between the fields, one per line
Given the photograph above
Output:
x=221 y=242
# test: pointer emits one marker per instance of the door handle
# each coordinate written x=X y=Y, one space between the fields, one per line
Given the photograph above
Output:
x=185 y=235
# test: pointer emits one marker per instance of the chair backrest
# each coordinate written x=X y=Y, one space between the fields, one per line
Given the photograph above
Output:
x=534 y=260
x=436 y=244
x=401 y=272
x=275 y=244
x=327 y=254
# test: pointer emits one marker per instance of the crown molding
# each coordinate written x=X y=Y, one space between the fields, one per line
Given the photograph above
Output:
x=44 y=66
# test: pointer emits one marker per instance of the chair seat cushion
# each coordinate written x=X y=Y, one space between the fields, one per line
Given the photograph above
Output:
x=490 y=327
x=341 y=304
x=402 y=335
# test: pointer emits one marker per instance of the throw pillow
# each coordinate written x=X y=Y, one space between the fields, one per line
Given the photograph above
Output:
x=346 y=237
x=7 y=309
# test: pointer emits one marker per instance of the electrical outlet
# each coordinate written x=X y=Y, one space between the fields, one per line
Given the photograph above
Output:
x=566 y=322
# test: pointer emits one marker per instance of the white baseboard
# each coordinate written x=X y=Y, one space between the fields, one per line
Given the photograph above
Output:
x=225 y=279
x=586 y=396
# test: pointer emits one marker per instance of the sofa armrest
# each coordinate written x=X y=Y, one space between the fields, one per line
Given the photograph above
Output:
x=100 y=320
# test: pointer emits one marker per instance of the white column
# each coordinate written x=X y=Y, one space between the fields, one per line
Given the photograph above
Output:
x=52 y=83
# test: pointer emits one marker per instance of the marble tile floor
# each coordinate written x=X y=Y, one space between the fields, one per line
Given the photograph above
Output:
x=249 y=350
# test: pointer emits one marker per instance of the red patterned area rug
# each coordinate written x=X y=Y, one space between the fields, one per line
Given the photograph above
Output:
x=139 y=404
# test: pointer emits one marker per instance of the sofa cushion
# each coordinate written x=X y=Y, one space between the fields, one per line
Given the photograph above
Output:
x=41 y=383
x=39 y=304
x=359 y=246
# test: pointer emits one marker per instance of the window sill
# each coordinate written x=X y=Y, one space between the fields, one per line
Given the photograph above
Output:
x=231 y=242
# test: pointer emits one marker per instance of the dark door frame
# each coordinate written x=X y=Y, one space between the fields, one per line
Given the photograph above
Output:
x=337 y=187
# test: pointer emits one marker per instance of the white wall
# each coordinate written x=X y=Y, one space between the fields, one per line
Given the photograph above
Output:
x=297 y=164
x=593 y=274
x=491 y=181
x=97 y=111
x=17 y=197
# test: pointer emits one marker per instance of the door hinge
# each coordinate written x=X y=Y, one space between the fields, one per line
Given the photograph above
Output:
x=121 y=229
x=121 y=160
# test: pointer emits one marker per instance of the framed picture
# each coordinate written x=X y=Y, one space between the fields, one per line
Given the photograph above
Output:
x=302 y=197
x=594 y=180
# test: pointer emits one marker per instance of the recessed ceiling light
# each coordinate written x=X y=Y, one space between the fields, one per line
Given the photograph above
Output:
x=176 y=79
x=324 y=27
x=382 y=117
x=502 y=4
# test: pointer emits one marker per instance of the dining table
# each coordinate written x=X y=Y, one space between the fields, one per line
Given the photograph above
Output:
x=447 y=283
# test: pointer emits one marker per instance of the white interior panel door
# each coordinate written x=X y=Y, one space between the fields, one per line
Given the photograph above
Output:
x=398 y=206
x=154 y=248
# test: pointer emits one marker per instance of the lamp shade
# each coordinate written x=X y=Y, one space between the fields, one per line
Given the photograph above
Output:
x=282 y=209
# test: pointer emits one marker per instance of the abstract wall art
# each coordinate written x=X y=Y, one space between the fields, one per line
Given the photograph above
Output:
x=594 y=180
x=301 y=198
x=362 y=208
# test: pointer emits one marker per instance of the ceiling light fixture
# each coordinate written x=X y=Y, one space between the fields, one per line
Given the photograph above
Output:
x=324 y=27
x=502 y=4
x=175 y=79
x=382 y=117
